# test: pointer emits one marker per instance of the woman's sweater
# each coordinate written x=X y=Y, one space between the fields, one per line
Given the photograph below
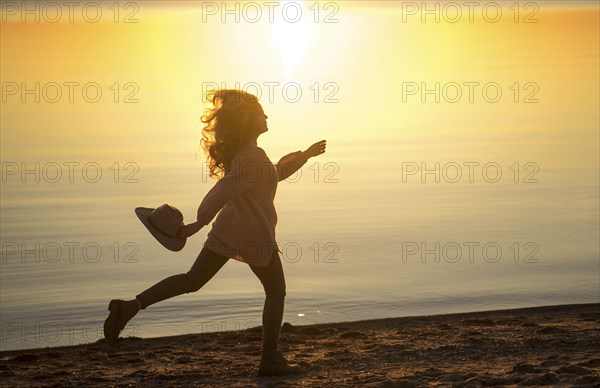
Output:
x=245 y=227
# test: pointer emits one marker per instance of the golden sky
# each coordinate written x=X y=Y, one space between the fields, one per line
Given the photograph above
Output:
x=351 y=74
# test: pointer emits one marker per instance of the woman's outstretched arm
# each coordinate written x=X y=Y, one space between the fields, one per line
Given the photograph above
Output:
x=291 y=163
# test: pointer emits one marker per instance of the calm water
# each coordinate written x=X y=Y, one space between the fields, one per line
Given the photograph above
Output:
x=364 y=234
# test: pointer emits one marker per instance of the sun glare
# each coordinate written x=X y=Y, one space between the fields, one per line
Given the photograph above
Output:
x=293 y=33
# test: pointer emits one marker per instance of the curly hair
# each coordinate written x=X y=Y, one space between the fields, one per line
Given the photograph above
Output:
x=228 y=127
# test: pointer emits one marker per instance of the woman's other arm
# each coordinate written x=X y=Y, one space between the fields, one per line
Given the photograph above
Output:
x=243 y=175
x=291 y=163
x=189 y=229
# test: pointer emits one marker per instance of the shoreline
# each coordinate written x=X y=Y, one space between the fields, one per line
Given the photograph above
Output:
x=544 y=345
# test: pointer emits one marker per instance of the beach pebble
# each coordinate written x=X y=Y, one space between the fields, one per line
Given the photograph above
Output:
x=591 y=363
x=135 y=360
x=474 y=382
x=525 y=368
x=487 y=380
x=138 y=373
x=52 y=354
x=352 y=334
x=551 y=330
x=590 y=380
x=400 y=383
x=547 y=378
x=99 y=379
x=452 y=377
x=534 y=342
x=287 y=328
x=431 y=371
x=485 y=321
x=530 y=324
x=575 y=369
x=551 y=362
x=26 y=358
x=310 y=331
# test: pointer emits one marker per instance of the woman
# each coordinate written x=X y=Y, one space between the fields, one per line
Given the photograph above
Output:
x=245 y=227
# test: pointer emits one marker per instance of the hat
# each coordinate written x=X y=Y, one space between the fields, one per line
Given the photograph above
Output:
x=163 y=222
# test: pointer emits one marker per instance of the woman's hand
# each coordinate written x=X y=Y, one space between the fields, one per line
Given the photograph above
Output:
x=316 y=149
x=189 y=229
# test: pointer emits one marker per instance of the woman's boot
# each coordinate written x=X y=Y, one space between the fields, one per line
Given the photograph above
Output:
x=121 y=312
x=272 y=363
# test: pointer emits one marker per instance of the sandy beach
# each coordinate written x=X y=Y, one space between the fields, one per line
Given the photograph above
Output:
x=549 y=345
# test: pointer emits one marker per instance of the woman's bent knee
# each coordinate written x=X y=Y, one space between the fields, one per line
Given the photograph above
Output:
x=278 y=293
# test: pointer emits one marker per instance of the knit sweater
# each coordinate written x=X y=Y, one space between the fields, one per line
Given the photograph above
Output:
x=245 y=227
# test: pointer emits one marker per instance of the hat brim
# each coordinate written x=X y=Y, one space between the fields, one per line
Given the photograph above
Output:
x=171 y=243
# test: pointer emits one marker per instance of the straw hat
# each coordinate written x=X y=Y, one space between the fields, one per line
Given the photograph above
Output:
x=163 y=222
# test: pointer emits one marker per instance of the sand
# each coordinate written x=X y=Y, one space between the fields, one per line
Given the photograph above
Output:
x=549 y=345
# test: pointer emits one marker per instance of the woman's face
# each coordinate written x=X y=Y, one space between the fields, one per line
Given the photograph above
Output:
x=261 y=120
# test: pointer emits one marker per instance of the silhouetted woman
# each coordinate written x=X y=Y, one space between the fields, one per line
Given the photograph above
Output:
x=245 y=227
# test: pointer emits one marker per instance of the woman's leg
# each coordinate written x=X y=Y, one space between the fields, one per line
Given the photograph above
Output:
x=272 y=361
x=204 y=268
x=273 y=281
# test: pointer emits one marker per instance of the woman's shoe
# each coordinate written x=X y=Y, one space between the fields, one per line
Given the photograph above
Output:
x=272 y=363
x=120 y=313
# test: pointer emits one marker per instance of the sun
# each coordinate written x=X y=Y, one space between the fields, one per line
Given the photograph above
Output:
x=293 y=34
